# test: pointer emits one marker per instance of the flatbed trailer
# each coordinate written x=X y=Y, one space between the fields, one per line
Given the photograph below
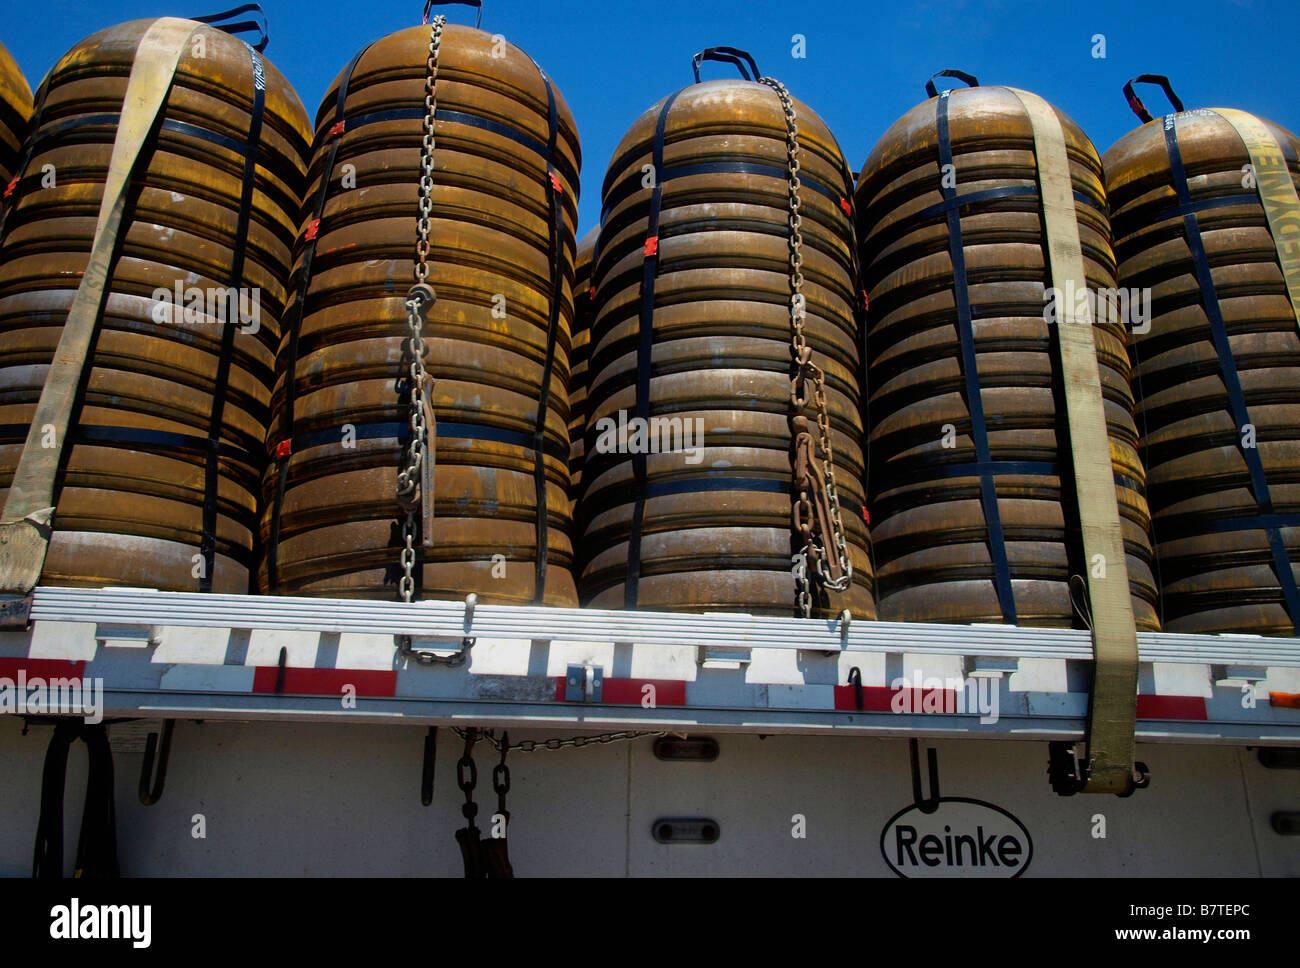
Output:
x=301 y=725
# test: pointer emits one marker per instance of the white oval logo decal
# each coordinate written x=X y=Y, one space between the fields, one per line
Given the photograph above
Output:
x=962 y=838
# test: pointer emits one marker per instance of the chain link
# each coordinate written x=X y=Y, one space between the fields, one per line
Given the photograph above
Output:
x=418 y=302
x=576 y=742
x=805 y=370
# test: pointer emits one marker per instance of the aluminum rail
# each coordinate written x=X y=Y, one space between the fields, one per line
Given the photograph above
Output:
x=449 y=620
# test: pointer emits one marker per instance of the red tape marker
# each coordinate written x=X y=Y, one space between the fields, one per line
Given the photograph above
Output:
x=313 y=228
x=652 y=246
x=283 y=449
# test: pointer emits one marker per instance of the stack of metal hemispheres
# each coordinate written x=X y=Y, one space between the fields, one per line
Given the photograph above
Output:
x=583 y=303
x=973 y=507
x=504 y=209
x=15 y=112
x=164 y=458
x=1217 y=376
x=693 y=330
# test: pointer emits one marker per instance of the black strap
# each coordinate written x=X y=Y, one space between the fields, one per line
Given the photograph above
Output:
x=295 y=326
x=220 y=388
x=155 y=439
x=1135 y=102
x=556 y=228
x=243 y=26
x=57 y=128
x=1231 y=381
x=401 y=432
x=727 y=55
x=968 y=79
x=430 y=4
x=645 y=348
x=1223 y=201
x=970 y=371
x=632 y=184
x=97 y=843
x=560 y=163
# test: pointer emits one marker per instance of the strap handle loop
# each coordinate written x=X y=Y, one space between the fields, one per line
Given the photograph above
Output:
x=428 y=4
x=727 y=55
x=1135 y=102
x=263 y=28
x=968 y=79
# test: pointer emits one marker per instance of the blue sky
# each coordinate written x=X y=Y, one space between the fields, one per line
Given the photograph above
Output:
x=865 y=63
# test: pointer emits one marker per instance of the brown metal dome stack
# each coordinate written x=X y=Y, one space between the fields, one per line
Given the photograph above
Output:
x=505 y=168
x=15 y=112
x=1217 y=376
x=162 y=467
x=964 y=371
x=694 y=325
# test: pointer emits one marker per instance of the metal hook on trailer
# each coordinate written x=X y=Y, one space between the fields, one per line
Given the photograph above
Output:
x=426 y=775
x=151 y=794
x=855 y=680
x=931 y=803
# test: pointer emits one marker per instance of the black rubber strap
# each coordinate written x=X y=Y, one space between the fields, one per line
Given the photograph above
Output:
x=725 y=482
x=552 y=331
x=632 y=184
x=430 y=4
x=645 y=349
x=295 y=327
x=727 y=55
x=243 y=26
x=59 y=128
x=401 y=432
x=970 y=371
x=968 y=79
x=1135 y=102
x=220 y=387
x=97 y=844
x=445 y=116
x=1223 y=201
x=155 y=439
x=1231 y=381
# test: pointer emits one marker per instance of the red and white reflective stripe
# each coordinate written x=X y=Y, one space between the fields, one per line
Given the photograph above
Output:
x=881 y=699
x=41 y=669
x=632 y=692
x=1171 y=707
x=326 y=682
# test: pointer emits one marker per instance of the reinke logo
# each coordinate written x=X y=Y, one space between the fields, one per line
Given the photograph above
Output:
x=102 y=922
x=960 y=838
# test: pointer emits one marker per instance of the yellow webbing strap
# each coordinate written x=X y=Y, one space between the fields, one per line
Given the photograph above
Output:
x=1112 y=712
x=26 y=522
x=1276 y=191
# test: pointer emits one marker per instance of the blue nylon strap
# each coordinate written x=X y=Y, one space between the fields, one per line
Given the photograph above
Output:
x=1231 y=380
x=970 y=370
x=645 y=346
